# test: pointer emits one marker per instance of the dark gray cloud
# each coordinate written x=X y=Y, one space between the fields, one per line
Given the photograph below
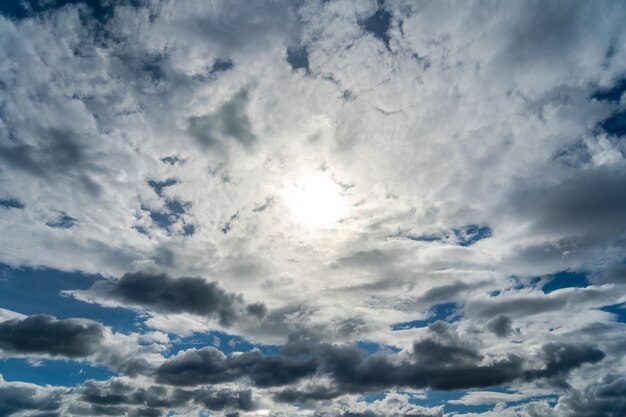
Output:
x=605 y=398
x=615 y=273
x=120 y=397
x=546 y=33
x=162 y=293
x=46 y=335
x=561 y=358
x=210 y=366
x=443 y=293
x=522 y=306
x=500 y=326
x=59 y=152
x=115 y=393
x=580 y=219
x=229 y=122
x=441 y=362
x=589 y=203
x=20 y=398
x=434 y=364
x=225 y=399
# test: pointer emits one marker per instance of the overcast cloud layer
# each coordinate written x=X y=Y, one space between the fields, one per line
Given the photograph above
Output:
x=312 y=208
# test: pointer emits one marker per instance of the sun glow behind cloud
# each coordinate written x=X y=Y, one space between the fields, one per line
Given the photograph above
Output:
x=315 y=202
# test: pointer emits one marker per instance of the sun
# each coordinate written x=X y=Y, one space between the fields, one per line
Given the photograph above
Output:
x=315 y=202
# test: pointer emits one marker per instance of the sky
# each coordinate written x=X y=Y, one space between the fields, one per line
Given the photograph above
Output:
x=312 y=208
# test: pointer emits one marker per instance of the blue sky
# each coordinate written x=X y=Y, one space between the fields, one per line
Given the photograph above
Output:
x=312 y=208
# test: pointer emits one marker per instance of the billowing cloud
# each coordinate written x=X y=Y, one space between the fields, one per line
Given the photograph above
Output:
x=119 y=396
x=440 y=362
x=46 y=335
x=22 y=397
x=209 y=365
x=162 y=293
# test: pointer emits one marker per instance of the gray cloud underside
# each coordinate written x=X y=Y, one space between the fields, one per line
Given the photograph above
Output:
x=439 y=362
x=162 y=293
x=45 y=335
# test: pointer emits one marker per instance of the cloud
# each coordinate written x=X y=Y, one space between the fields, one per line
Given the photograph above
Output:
x=440 y=362
x=603 y=398
x=561 y=358
x=116 y=396
x=18 y=397
x=500 y=326
x=209 y=366
x=123 y=396
x=229 y=122
x=164 y=294
x=529 y=302
x=46 y=335
x=586 y=204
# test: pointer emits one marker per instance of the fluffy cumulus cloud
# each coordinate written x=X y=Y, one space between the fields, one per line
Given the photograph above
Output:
x=325 y=208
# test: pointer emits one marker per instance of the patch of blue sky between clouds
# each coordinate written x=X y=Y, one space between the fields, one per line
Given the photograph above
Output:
x=565 y=279
x=453 y=403
x=158 y=186
x=52 y=372
x=168 y=217
x=210 y=73
x=172 y=212
x=223 y=341
x=373 y=396
x=443 y=398
x=100 y=10
x=298 y=58
x=618 y=311
x=378 y=25
x=11 y=203
x=373 y=347
x=38 y=291
x=221 y=65
x=616 y=124
x=62 y=221
x=171 y=160
x=444 y=312
x=613 y=93
x=463 y=236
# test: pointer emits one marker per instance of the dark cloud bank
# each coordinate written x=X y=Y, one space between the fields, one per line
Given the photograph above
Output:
x=441 y=361
x=45 y=335
x=162 y=293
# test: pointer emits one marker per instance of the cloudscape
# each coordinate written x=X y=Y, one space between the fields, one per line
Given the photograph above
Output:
x=312 y=208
